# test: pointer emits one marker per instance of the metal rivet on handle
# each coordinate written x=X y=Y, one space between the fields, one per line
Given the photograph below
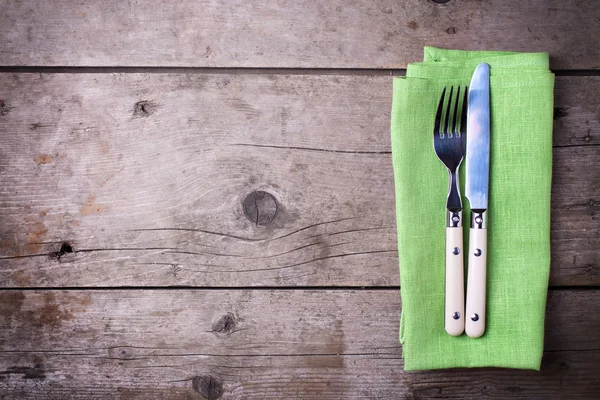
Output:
x=477 y=252
x=456 y=315
x=456 y=251
x=475 y=317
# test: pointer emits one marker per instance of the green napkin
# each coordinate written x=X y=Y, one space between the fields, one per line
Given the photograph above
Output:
x=518 y=261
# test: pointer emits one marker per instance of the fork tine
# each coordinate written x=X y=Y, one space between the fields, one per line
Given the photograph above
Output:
x=463 y=117
x=454 y=130
x=446 y=131
x=438 y=115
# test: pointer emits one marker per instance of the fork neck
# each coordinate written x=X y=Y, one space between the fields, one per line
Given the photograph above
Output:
x=454 y=203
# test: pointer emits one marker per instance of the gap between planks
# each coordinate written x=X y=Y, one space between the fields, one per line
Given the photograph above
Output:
x=556 y=288
x=241 y=70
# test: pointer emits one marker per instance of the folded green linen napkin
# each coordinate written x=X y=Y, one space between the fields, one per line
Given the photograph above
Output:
x=521 y=97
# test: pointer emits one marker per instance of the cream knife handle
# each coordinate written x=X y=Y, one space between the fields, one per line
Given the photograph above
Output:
x=475 y=312
x=455 y=286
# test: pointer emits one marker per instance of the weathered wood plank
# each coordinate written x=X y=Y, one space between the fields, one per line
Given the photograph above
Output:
x=284 y=33
x=576 y=111
x=145 y=175
x=260 y=344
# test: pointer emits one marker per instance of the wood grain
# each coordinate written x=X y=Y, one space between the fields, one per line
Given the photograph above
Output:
x=144 y=176
x=576 y=111
x=243 y=177
x=289 y=34
x=265 y=344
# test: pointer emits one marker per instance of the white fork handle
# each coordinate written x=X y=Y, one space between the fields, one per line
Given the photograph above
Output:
x=455 y=287
x=476 y=286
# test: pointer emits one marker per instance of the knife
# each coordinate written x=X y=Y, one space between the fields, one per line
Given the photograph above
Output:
x=477 y=188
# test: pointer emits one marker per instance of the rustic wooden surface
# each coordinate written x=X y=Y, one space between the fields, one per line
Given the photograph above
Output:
x=225 y=229
x=260 y=344
x=156 y=197
x=289 y=33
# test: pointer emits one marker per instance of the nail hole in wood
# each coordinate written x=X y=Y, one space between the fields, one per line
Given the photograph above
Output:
x=260 y=207
x=563 y=366
x=65 y=248
x=451 y=30
x=208 y=387
x=441 y=1
x=125 y=354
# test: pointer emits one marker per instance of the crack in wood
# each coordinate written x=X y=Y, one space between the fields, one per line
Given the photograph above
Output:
x=310 y=149
x=245 y=239
x=308 y=262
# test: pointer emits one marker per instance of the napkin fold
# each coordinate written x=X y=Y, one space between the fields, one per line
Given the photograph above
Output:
x=518 y=263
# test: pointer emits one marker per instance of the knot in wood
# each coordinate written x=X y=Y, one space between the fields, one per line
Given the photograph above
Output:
x=144 y=108
x=208 y=387
x=260 y=207
x=64 y=249
x=4 y=109
x=225 y=324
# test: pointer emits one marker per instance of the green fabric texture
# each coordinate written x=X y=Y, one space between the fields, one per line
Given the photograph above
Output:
x=521 y=98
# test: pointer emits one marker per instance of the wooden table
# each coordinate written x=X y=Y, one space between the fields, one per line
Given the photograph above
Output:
x=197 y=197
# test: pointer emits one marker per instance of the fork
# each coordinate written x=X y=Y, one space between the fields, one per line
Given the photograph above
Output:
x=449 y=145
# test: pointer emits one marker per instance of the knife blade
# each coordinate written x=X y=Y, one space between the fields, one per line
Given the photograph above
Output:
x=477 y=191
